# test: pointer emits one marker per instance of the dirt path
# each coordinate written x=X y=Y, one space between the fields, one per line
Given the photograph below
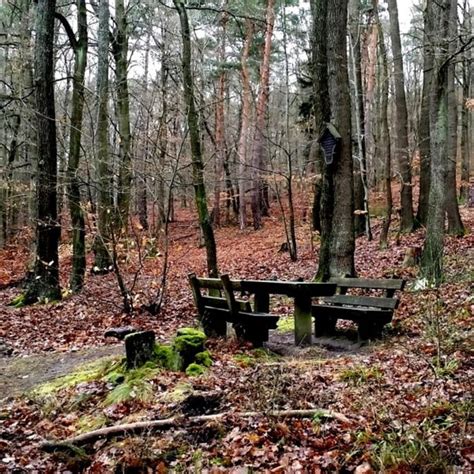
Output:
x=19 y=374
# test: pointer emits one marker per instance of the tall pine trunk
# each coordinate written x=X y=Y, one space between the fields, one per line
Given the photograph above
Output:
x=258 y=153
x=401 y=126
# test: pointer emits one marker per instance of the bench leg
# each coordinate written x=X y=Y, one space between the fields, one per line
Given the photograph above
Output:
x=369 y=330
x=324 y=326
x=213 y=326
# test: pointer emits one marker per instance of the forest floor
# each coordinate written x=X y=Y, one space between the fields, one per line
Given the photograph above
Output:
x=405 y=402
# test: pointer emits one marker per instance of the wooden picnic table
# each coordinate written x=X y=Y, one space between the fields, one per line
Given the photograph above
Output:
x=302 y=292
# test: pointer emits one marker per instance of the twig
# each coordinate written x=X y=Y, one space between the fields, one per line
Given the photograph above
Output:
x=159 y=425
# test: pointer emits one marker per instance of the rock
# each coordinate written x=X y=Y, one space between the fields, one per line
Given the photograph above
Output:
x=139 y=348
x=121 y=332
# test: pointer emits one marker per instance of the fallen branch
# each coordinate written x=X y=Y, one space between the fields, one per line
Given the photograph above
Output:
x=167 y=423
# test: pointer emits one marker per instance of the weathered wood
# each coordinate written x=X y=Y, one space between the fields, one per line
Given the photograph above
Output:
x=303 y=320
x=385 y=284
x=367 y=301
x=139 y=348
x=353 y=313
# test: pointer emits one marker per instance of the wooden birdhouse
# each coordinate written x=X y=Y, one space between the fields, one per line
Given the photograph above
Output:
x=329 y=141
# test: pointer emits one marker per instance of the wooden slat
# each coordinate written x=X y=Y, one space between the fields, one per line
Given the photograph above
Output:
x=384 y=284
x=368 y=301
x=290 y=288
x=353 y=314
x=243 y=316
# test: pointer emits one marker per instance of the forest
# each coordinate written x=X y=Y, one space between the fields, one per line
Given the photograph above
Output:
x=236 y=236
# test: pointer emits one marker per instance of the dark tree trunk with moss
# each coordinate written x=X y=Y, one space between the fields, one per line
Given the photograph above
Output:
x=120 y=51
x=432 y=258
x=337 y=200
x=196 y=146
x=424 y=126
x=79 y=46
x=45 y=280
x=455 y=225
x=103 y=261
x=401 y=126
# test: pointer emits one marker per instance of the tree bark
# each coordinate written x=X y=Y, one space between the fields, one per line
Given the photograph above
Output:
x=259 y=200
x=244 y=125
x=196 y=146
x=424 y=125
x=45 y=281
x=466 y=145
x=74 y=193
x=337 y=237
x=103 y=261
x=432 y=258
x=120 y=51
x=401 y=128
x=455 y=225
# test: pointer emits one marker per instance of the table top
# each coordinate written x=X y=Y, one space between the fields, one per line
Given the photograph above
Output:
x=289 y=288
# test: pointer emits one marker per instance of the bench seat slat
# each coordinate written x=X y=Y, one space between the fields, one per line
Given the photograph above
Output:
x=367 y=301
x=354 y=314
x=369 y=284
x=269 y=320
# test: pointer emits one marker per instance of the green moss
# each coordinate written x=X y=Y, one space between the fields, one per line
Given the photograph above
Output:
x=166 y=356
x=178 y=394
x=194 y=370
x=18 y=302
x=286 y=324
x=256 y=356
x=361 y=374
x=187 y=343
x=87 y=373
x=203 y=358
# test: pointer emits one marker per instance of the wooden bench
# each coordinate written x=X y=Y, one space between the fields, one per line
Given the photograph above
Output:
x=215 y=310
x=370 y=312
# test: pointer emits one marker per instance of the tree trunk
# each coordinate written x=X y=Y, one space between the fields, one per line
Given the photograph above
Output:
x=432 y=258
x=244 y=125
x=424 y=126
x=384 y=134
x=401 y=128
x=120 y=51
x=337 y=237
x=45 y=280
x=466 y=144
x=103 y=262
x=361 y=190
x=74 y=194
x=259 y=200
x=196 y=147
x=455 y=225
x=220 y=126
x=142 y=192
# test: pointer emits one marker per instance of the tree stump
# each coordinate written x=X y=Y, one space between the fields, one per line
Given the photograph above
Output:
x=412 y=257
x=139 y=348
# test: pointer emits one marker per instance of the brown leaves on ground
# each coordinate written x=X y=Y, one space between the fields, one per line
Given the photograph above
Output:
x=407 y=396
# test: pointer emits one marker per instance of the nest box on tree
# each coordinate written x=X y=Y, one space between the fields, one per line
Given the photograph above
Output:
x=329 y=141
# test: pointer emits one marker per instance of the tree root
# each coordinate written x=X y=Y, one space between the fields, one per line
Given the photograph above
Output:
x=167 y=423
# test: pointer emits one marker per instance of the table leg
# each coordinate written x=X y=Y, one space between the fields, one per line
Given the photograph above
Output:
x=262 y=302
x=303 y=320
